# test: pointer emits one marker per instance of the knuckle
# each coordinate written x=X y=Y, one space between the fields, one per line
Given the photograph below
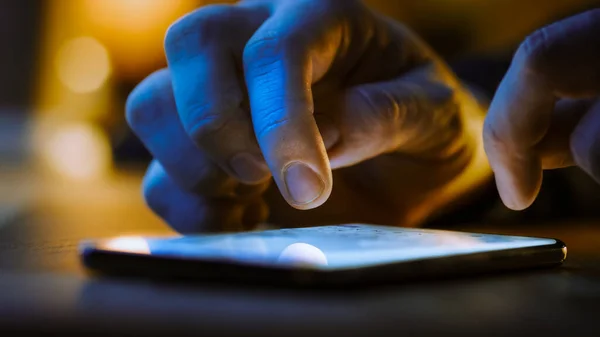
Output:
x=206 y=125
x=491 y=135
x=142 y=106
x=534 y=49
x=208 y=119
x=258 y=48
x=381 y=111
x=199 y=28
x=564 y=53
x=270 y=45
x=388 y=111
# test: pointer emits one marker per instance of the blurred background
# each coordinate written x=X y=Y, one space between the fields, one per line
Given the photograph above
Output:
x=67 y=67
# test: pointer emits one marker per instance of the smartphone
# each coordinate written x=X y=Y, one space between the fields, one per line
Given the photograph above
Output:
x=320 y=256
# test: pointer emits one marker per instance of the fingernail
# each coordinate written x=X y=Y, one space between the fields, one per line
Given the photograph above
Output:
x=303 y=184
x=248 y=167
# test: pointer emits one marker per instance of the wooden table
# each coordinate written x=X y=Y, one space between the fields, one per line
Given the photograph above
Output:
x=43 y=287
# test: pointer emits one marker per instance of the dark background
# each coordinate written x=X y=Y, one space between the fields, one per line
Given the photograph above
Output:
x=20 y=26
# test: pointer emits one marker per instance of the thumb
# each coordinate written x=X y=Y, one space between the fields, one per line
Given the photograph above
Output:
x=415 y=114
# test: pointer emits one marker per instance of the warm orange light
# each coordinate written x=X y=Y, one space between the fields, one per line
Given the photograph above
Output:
x=76 y=151
x=133 y=30
x=130 y=15
x=82 y=64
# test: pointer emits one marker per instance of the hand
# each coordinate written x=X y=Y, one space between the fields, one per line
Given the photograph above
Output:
x=290 y=90
x=545 y=114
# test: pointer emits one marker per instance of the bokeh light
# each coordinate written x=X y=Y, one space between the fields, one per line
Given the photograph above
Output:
x=82 y=64
x=133 y=30
x=77 y=151
x=128 y=244
x=130 y=15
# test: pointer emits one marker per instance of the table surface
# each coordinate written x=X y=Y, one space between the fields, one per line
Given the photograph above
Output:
x=44 y=288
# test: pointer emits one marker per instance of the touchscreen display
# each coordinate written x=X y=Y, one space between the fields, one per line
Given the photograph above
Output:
x=328 y=247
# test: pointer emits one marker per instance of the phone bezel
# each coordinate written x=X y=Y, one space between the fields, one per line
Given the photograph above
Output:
x=119 y=263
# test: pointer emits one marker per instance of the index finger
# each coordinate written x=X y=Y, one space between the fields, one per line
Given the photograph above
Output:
x=557 y=61
x=280 y=71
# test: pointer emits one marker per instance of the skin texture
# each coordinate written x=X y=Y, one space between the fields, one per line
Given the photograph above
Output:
x=545 y=114
x=266 y=103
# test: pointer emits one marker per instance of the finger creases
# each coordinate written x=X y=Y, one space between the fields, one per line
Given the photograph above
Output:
x=295 y=150
x=152 y=114
x=204 y=51
x=415 y=114
x=279 y=72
